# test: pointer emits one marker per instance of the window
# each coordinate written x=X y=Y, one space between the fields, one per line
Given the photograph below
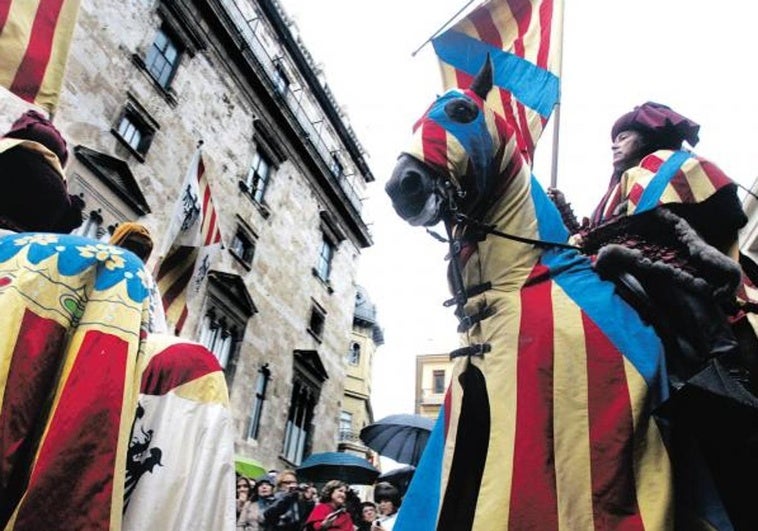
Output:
x=243 y=245
x=135 y=128
x=309 y=376
x=218 y=336
x=346 y=426
x=281 y=81
x=226 y=311
x=316 y=322
x=297 y=431
x=354 y=356
x=130 y=132
x=324 y=264
x=162 y=59
x=264 y=375
x=258 y=176
x=336 y=166
x=134 y=133
x=438 y=381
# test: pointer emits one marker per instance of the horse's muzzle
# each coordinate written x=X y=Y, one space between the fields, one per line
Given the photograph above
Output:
x=412 y=190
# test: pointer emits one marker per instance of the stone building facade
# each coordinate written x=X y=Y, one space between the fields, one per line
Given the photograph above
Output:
x=433 y=375
x=357 y=412
x=145 y=82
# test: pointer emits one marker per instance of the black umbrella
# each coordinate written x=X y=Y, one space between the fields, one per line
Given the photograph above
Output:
x=399 y=437
x=400 y=477
x=324 y=466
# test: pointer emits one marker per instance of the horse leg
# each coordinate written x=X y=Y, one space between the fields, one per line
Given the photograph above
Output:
x=472 y=441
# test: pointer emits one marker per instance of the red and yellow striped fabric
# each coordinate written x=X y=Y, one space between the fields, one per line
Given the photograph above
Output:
x=76 y=365
x=192 y=240
x=695 y=180
x=35 y=37
x=524 y=39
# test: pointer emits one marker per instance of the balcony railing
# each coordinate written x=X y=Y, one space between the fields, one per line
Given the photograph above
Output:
x=428 y=396
x=348 y=436
x=246 y=30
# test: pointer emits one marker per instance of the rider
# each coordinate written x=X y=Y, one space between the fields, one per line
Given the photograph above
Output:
x=692 y=287
x=647 y=142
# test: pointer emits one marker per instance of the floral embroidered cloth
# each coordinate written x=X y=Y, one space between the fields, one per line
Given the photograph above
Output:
x=86 y=392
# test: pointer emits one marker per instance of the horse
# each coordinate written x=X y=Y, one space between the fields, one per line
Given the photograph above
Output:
x=550 y=419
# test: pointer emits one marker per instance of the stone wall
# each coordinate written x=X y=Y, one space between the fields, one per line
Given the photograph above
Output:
x=212 y=104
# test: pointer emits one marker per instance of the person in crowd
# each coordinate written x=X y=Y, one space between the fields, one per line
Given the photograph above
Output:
x=387 y=498
x=134 y=237
x=250 y=516
x=287 y=511
x=308 y=496
x=244 y=493
x=330 y=512
x=368 y=516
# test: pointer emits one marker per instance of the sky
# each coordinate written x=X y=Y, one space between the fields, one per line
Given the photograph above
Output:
x=696 y=56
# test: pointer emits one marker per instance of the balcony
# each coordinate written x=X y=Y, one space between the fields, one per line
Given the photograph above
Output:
x=430 y=397
x=309 y=128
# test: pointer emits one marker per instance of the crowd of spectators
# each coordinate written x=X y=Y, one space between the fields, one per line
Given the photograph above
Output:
x=277 y=501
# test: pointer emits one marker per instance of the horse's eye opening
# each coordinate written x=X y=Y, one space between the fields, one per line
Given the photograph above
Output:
x=461 y=110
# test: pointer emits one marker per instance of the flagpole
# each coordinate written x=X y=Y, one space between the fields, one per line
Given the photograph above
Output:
x=427 y=41
x=557 y=113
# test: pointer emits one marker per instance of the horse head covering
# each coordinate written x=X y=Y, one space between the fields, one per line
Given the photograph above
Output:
x=666 y=128
x=465 y=140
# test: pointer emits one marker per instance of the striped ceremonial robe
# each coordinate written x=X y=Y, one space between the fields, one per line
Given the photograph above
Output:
x=93 y=408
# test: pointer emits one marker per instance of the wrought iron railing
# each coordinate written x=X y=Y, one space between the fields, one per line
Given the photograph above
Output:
x=246 y=29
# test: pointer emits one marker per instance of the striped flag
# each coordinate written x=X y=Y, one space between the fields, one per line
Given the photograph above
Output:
x=523 y=38
x=35 y=36
x=191 y=243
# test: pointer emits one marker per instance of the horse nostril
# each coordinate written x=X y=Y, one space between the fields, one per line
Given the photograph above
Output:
x=412 y=183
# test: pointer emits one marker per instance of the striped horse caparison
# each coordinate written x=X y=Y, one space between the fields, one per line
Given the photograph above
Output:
x=551 y=426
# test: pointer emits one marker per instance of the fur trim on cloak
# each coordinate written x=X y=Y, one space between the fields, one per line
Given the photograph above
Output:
x=708 y=269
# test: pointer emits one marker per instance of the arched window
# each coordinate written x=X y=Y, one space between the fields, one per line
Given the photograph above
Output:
x=261 y=383
x=354 y=356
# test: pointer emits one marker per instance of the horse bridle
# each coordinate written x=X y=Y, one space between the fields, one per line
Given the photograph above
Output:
x=452 y=217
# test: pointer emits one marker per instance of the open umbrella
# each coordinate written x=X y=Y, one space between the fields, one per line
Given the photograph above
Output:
x=400 y=477
x=400 y=437
x=322 y=467
x=248 y=467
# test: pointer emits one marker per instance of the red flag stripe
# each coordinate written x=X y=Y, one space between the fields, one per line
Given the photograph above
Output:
x=176 y=289
x=522 y=14
x=34 y=363
x=533 y=486
x=182 y=318
x=176 y=257
x=486 y=28
x=546 y=23
x=5 y=8
x=611 y=435
x=31 y=71
x=83 y=436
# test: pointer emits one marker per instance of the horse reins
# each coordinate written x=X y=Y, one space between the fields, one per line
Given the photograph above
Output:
x=461 y=295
